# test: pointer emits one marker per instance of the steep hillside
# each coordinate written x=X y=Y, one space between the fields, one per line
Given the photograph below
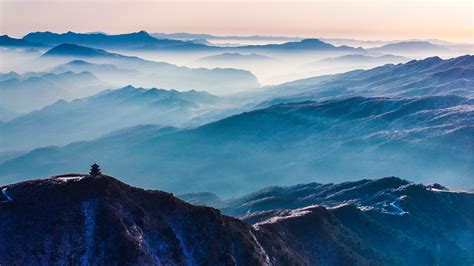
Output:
x=427 y=139
x=430 y=76
x=84 y=219
x=80 y=219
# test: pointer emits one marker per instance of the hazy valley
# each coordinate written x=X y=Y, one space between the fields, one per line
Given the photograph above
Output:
x=287 y=140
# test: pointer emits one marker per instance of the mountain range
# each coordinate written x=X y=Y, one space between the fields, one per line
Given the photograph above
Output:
x=410 y=47
x=364 y=59
x=136 y=40
x=151 y=73
x=185 y=42
x=144 y=41
x=430 y=76
x=279 y=145
x=306 y=45
x=82 y=219
x=235 y=58
x=35 y=90
x=6 y=41
x=102 y=113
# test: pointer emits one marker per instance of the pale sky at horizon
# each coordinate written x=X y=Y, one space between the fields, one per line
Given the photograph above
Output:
x=375 y=20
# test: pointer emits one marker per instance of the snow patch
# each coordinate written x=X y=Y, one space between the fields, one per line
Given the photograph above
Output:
x=449 y=191
x=365 y=208
x=70 y=178
x=261 y=251
x=396 y=205
x=5 y=194
x=291 y=214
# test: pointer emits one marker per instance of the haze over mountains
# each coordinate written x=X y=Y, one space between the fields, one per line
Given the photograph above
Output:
x=168 y=75
x=284 y=143
x=431 y=76
x=391 y=113
x=111 y=110
x=294 y=54
x=288 y=135
x=395 y=115
x=34 y=90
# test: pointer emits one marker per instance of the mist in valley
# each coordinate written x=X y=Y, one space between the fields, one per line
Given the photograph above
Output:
x=232 y=111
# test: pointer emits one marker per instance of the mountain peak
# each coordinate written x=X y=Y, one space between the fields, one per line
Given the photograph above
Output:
x=70 y=49
x=103 y=220
x=142 y=32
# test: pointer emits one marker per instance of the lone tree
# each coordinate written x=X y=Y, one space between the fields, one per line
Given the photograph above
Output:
x=95 y=170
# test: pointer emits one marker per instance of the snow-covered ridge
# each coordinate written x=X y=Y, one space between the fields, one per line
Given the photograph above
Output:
x=70 y=178
x=390 y=196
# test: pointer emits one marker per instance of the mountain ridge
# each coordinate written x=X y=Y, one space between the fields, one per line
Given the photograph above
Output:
x=149 y=73
x=117 y=108
x=89 y=214
x=381 y=129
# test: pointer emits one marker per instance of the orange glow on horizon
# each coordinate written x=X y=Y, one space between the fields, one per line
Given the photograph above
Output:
x=382 y=20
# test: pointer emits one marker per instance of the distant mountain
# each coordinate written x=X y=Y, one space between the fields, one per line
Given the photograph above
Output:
x=9 y=75
x=191 y=36
x=350 y=62
x=108 y=72
x=6 y=41
x=430 y=76
x=136 y=40
x=102 y=113
x=102 y=220
x=410 y=47
x=31 y=91
x=365 y=59
x=424 y=139
x=6 y=115
x=235 y=58
x=180 y=42
x=150 y=73
x=75 y=50
x=251 y=61
x=303 y=45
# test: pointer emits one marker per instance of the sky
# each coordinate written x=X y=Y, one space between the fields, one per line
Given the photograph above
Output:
x=451 y=20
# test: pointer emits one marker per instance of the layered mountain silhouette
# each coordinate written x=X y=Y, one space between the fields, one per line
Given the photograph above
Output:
x=135 y=40
x=32 y=91
x=309 y=45
x=105 y=71
x=111 y=110
x=281 y=144
x=410 y=47
x=152 y=74
x=430 y=76
x=9 y=42
x=364 y=59
x=144 y=41
x=79 y=218
x=235 y=58
x=75 y=50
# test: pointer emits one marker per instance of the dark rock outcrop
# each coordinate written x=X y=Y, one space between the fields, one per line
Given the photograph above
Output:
x=81 y=219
